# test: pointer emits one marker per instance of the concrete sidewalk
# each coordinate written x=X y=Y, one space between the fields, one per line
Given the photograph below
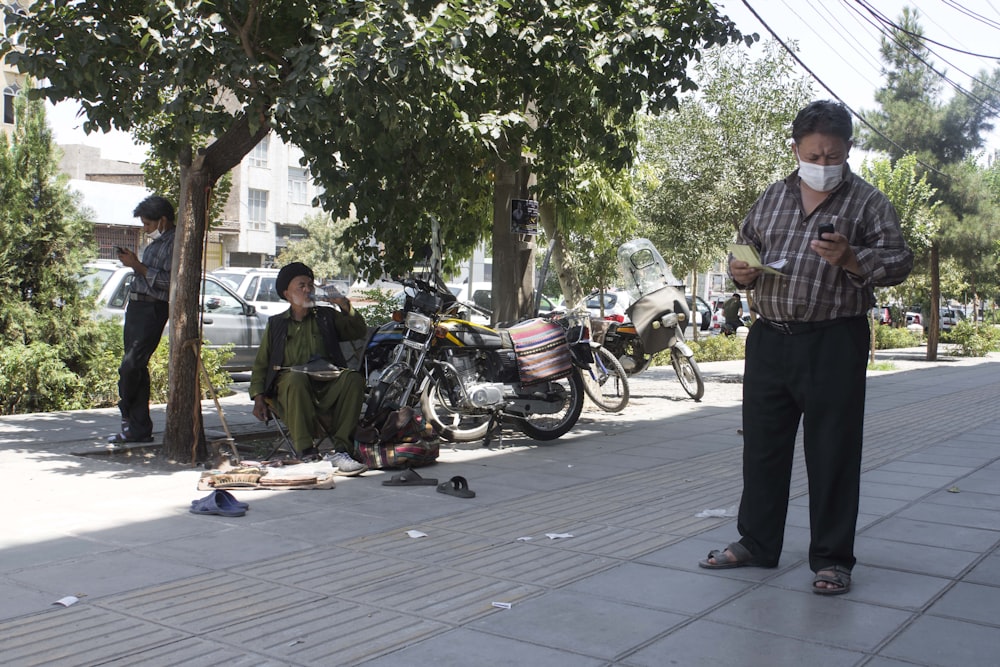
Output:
x=331 y=577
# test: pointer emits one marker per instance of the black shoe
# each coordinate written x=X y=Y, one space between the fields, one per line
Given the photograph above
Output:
x=121 y=439
x=309 y=454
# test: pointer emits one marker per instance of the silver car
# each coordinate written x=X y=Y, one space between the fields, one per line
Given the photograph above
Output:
x=226 y=318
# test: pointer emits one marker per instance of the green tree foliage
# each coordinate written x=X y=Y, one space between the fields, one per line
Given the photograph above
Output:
x=51 y=347
x=322 y=248
x=404 y=110
x=709 y=160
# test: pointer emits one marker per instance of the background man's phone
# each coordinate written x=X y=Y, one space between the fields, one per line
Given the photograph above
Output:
x=826 y=228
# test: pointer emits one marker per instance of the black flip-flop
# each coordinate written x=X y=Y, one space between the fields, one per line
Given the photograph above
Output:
x=741 y=557
x=457 y=486
x=409 y=477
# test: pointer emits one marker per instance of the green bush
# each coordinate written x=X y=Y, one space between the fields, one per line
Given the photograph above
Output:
x=211 y=358
x=889 y=338
x=380 y=310
x=709 y=348
x=974 y=341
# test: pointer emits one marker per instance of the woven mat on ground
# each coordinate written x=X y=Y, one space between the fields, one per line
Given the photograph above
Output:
x=300 y=476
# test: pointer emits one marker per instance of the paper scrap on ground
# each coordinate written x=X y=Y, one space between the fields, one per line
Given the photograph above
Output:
x=524 y=539
x=416 y=533
x=749 y=254
x=67 y=601
x=557 y=536
x=729 y=511
x=502 y=605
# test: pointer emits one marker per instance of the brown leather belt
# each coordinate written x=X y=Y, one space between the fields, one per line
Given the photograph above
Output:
x=135 y=296
x=793 y=328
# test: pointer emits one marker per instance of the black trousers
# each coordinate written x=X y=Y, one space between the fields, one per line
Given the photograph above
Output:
x=144 y=322
x=818 y=377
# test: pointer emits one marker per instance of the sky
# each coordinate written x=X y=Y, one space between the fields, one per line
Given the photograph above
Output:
x=839 y=41
x=836 y=39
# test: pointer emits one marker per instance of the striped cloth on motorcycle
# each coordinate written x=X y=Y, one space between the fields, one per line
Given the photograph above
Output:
x=542 y=351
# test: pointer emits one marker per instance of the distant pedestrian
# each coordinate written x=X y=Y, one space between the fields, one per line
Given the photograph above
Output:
x=806 y=355
x=732 y=310
x=145 y=316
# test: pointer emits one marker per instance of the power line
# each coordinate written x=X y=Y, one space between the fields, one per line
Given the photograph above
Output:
x=822 y=83
x=860 y=51
x=882 y=18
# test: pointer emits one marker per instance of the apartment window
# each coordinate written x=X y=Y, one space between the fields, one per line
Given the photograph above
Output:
x=9 y=93
x=257 y=209
x=258 y=156
x=297 y=186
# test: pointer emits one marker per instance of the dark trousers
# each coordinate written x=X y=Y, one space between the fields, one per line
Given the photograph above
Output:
x=144 y=322
x=818 y=376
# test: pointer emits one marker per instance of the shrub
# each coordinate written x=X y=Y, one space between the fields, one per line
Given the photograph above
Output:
x=974 y=341
x=211 y=358
x=888 y=338
x=710 y=348
x=380 y=310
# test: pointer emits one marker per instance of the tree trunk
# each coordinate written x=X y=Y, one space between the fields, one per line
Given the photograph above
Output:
x=696 y=326
x=513 y=258
x=933 y=332
x=562 y=258
x=184 y=436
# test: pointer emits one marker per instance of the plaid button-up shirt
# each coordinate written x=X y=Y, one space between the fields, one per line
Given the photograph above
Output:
x=157 y=258
x=811 y=289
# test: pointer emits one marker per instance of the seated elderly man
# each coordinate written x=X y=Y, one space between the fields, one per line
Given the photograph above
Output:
x=297 y=336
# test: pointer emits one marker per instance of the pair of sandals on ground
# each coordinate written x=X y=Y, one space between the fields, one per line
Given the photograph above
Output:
x=457 y=486
x=833 y=580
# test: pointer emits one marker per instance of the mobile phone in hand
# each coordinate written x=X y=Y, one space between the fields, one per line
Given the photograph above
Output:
x=826 y=228
x=120 y=250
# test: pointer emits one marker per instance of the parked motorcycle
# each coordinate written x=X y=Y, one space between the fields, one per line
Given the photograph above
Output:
x=466 y=377
x=622 y=340
x=659 y=310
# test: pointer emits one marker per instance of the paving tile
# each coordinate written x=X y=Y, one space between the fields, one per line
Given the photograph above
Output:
x=194 y=652
x=966 y=499
x=970 y=602
x=913 y=531
x=917 y=558
x=79 y=635
x=685 y=555
x=932 y=469
x=660 y=588
x=708 y=644
x=921 y=480
x=941 y=642
x=22 y=600
x=529 y=563
x=330 y=631
x=464 y=647
x=803 y=615
x=581 y=623
x=227 y=545
x=892 y=491
x=182 y=604
x=972 y=517
x=104 y=574
x=986 y=572
x=47 y=551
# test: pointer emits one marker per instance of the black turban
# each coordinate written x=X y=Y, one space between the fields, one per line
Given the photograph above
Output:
x=287 y=273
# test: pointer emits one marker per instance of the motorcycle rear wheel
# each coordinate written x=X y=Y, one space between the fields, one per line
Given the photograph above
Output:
x=605 y=381
x=688 y=373
x=549 y=426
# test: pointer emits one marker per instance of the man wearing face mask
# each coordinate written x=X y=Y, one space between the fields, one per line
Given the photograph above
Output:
x=145 y=317
x=301 y=334
x=806 y=356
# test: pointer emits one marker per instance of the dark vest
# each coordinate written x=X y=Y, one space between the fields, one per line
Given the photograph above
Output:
x=277 y=327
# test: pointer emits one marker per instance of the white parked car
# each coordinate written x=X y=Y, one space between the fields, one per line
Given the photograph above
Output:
x=255 y=286
x=227 y=318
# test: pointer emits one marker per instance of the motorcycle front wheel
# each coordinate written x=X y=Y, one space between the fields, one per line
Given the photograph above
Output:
x=688 y=373
x=441 y=407
x=387 y=394
x=605 y=382
x=551 y=425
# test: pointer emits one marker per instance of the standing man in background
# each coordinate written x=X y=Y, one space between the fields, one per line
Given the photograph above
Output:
x=145 y=316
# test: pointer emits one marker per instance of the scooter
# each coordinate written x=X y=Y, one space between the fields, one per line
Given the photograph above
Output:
x=659 y=310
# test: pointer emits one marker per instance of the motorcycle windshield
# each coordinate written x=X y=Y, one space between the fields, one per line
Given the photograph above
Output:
x=643 y=269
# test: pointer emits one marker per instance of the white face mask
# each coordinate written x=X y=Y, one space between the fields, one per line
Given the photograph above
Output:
x=821 y=178
x=153 y=235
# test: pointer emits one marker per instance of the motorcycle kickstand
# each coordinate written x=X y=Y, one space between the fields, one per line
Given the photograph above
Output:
x=495 y=425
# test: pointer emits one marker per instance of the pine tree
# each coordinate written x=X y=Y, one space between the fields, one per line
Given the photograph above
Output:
x=48 y=339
